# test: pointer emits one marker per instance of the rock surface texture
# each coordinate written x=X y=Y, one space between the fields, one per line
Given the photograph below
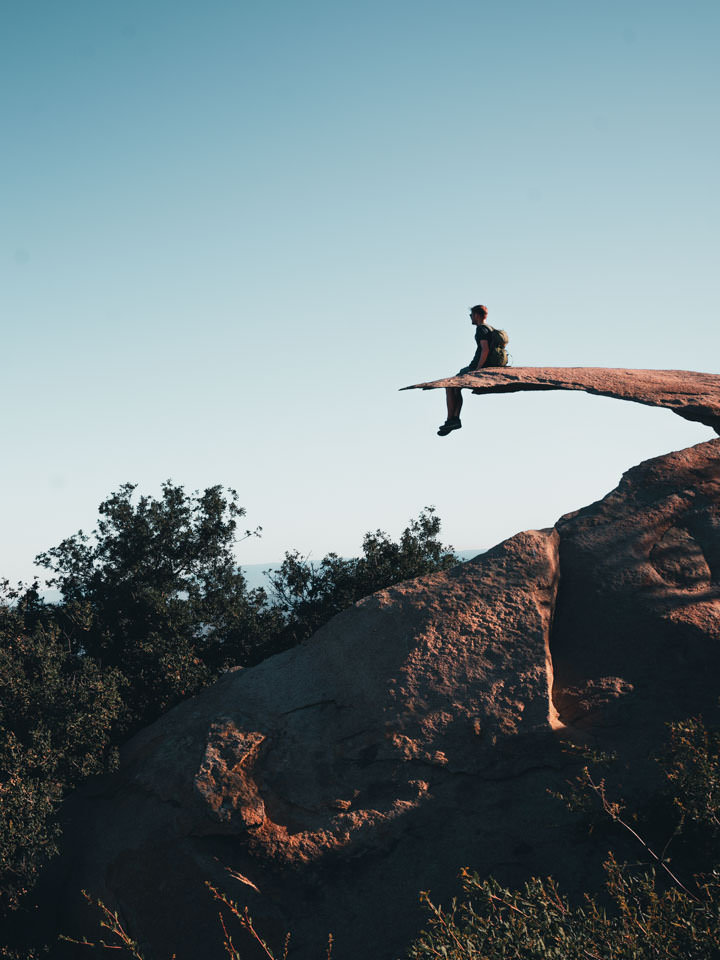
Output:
x=693 y=396
x=416 y=733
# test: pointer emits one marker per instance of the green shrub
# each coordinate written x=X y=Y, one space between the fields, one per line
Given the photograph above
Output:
x=155 y=592
x=648 y=911
x=692 y=765
x=644 y=922
x=308 y=595
x=56 y=712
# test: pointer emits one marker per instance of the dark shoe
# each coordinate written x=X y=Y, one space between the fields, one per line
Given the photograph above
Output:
x=452 y=424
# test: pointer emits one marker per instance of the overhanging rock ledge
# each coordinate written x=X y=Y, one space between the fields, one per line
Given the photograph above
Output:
x=692 y=395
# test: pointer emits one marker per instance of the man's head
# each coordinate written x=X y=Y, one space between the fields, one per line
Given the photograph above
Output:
x=478 y=314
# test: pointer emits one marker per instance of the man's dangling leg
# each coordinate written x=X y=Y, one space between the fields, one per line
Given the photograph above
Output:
x=453 y=398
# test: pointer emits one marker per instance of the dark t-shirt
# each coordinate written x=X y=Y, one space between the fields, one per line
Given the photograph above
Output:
x=481 y=333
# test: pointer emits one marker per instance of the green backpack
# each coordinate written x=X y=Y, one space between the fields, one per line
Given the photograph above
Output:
x=498 y=354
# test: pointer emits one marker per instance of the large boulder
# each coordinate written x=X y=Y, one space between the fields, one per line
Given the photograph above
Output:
x=640 y=596
x=418 y=732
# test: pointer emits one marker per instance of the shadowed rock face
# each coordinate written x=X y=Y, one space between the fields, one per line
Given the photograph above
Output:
x=639 y=599
x=693 y=396
x=415 y=734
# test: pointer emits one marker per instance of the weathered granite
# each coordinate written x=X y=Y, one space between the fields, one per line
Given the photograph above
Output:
x=692 y=395
x=340 y=776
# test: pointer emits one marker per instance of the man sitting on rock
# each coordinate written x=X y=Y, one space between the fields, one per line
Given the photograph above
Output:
x=453 y=395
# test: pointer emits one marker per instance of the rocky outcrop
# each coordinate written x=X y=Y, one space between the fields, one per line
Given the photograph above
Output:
x=418 y=732
x=693 y=396
x=343 y=775
x=638 y=609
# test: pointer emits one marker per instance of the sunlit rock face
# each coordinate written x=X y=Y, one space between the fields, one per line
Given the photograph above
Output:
x=692 y=395
x=418 y=732
x=342 y=776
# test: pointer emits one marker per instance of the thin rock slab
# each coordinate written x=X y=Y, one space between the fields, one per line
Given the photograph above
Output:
x=691 y=395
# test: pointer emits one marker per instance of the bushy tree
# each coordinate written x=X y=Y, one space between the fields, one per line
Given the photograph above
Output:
x=56 y=712
x=156 y=592
x=310 y=594
x=153 y=607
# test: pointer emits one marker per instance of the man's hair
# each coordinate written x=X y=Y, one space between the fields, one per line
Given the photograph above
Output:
x=479 y=309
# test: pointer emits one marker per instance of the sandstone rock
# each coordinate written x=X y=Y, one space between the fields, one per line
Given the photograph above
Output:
x=314 y=775
x=640 y=588
x=693 y=396
x=416 y=733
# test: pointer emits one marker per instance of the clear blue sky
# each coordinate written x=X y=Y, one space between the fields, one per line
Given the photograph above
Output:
x=230 y=231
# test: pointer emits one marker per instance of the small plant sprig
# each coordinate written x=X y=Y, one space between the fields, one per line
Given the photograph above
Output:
x=246 y=922
x=614 y=810
x=110 y=921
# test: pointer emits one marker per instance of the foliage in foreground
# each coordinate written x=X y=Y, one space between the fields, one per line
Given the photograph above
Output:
x=648 y=911
x=120 y=940
x=643 y=922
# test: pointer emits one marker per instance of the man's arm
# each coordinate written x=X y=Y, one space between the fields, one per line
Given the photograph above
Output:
x=484 y=351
